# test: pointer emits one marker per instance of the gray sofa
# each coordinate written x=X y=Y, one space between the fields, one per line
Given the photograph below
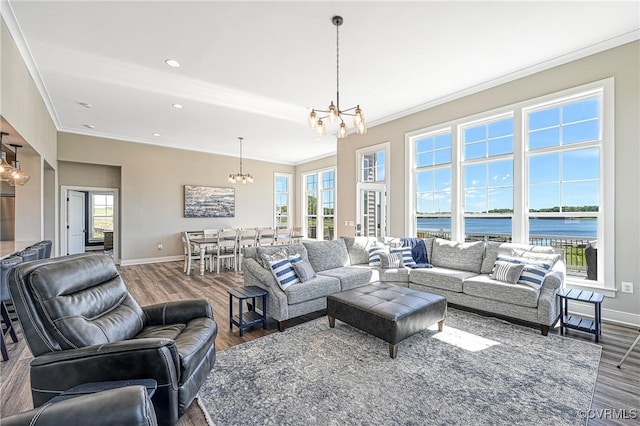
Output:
x=460 y=273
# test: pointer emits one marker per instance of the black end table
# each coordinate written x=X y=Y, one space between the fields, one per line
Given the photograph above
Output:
x=250 y=317
x=576 y=322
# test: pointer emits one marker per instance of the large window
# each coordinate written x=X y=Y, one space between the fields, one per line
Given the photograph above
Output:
x=488 y=179
x=371 y=188
x=433 y=184
x=101 y=215
x=319 y=207
x=537 y=172
x=282 y=216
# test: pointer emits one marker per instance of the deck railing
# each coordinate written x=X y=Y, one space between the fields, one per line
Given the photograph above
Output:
x=580 y=254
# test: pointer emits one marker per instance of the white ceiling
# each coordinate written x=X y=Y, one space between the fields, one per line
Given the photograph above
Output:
x=254 y=69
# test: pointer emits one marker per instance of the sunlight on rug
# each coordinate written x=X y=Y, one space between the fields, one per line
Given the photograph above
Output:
x=479 y=370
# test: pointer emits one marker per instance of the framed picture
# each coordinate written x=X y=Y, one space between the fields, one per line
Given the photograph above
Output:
x=209 y=201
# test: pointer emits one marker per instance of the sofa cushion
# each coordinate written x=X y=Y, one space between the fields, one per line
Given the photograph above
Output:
x=516 y=294
x=349 y=276
x=456 y=255
x=539 y=256
x=506 y=272
x=393 y=275
x=443 y=278
x=325 y=255
x=320 y=286
x=358 y=249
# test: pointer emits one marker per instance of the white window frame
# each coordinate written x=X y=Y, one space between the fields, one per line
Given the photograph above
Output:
x=289 y=214
x=320 y=211
x=90 y=215
x=520 y=222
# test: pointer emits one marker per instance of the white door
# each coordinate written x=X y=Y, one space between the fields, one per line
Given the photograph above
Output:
x=75 y=222
x=372 y=210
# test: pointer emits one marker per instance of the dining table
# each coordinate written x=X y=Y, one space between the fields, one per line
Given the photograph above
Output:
x=203 y=243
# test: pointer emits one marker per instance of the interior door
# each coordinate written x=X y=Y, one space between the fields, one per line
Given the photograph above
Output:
x=372 y=207
x=75 y=222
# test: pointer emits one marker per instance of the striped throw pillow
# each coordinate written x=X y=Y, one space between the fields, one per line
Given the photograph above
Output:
x=284 y=273
x=407 y=257
x=374 y=254
x=533 y=272
x=506 y=271
x=391 y=260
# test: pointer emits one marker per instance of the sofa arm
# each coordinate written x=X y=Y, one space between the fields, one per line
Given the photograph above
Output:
x=254 y=274
x=124 y=406
x=177 y=312
x=265 y=278
x=548 y=309
x=148 y=358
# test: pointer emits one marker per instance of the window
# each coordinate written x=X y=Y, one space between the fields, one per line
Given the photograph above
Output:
x=319 y=207
x=373 y=166
x=537 y=172
x=433 y=184
x=371 y=188
x=488 y=179
x=282 y=216
x=564 y=142
x=101 y=215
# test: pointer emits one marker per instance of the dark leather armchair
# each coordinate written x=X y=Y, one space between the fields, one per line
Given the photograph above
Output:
x=82 y=325
x=124 y=406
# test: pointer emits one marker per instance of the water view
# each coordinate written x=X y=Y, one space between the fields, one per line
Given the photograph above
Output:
x=559 y=227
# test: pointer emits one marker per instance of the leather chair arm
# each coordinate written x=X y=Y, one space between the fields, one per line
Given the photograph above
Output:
x=177 y=312
x=55 y=372
x=124 y=406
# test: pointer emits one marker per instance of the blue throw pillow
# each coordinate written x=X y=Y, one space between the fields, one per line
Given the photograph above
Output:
x=407 y=257
x=533 y=272
x=284 y=273
x=374 y=254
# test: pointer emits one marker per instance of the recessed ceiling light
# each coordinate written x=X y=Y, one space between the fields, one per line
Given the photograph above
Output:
x=172 y=63
x=157 y=135
x=179 y=106
x=89 y=126
x=85 y=104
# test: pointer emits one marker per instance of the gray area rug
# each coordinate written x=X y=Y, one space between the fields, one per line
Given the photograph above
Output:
x=478 y=371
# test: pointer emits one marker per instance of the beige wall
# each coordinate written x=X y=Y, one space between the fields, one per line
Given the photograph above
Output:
x=151 y=196
x=621 y=62
x=24 y=113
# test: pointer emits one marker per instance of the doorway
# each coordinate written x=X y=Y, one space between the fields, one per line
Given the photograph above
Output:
x=371 y=210
x=88 y=215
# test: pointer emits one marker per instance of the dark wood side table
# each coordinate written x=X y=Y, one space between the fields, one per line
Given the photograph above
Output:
x=250 y=317
x=575 y=322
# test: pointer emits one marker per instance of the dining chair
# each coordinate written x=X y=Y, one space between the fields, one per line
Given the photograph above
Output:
x=283 y=236
x=296 y=234
x=247 y=237
x=226 y=248
x=266 y=236
x=192 y=254
x=210 y=233
x=7 y=324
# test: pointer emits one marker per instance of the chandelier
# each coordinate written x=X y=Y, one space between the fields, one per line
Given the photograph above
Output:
x=12 y=173
x=240 y=177
x=333 y=112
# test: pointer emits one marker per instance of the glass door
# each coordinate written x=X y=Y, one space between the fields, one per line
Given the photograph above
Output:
x=372 y=210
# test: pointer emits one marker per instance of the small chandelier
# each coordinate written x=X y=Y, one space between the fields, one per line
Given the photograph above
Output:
x=240 y=177
x=18 y=177
x=333 y=112
x=12 y=173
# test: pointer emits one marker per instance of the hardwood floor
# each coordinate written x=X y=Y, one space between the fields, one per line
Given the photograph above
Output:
x=617 y=389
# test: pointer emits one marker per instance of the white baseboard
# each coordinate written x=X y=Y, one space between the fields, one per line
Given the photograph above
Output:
x=130 y=262
x=608 y=315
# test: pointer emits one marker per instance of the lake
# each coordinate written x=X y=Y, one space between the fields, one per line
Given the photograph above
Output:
x=551 y=227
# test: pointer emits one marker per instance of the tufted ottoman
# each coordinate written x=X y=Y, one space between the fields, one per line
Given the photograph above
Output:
x=389 y=312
